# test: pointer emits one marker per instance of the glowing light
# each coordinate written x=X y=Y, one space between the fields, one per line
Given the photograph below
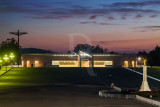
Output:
x=125 y=63
x=6 y=57
x=36 y=63
x=84 y=54
x=11 y=55
x=139 y=58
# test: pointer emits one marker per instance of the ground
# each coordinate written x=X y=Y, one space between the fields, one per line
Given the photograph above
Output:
x=39 y=87
x=22 y=77
x=63 y=96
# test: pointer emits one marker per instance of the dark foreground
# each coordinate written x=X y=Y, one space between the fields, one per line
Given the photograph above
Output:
x=52 y=96
x=52 y=87
x=26 y=77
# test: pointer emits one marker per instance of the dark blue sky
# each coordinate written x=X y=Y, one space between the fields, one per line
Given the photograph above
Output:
x=119 y=25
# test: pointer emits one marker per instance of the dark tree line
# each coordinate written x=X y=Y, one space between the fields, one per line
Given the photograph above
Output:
x=89 y=49
x=153 y=57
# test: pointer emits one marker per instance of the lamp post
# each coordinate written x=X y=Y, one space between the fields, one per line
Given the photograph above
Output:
x=11 y=56
x=139 y=60
x=0 y=63
x=6 y=59
x=18 y=34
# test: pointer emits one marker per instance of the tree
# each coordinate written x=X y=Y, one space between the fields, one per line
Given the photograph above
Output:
x=88 y=48
x=154 y=57
x=9 y=46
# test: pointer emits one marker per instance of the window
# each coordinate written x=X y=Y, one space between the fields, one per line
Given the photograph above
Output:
x=28 y=64
x=133 y=65
x=125 y=63
x=36 y=63
x=22 y=63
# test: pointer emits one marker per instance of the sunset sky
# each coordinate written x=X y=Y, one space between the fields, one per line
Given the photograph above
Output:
x=58 y=25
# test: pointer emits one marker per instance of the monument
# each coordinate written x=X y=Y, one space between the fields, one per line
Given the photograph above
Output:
x=144 y=86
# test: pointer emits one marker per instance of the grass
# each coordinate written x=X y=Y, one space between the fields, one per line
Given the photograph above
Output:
x=3 y=70
x=24 y=77
x=148 y=94
x=152 y=71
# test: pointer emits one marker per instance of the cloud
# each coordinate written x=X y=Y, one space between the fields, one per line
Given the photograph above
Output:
x=124 y=17
x=15 y=9
x=147 y=28
x=49 y=17
x=125 y=41
x=114 y=41
x=98 y=23
x=137 y=4
x=93 y=17
x=105 y=24
x=66 y=10
x=138 y=16
x=153 y=16
x=88 y=22
x=108 y=24
x=111 y=18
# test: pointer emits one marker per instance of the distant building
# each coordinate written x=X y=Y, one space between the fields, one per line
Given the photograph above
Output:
x=79 y=60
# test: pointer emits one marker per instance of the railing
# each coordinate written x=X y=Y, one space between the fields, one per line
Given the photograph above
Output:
x=106 y=94
x=147 y=100
x=117 y=88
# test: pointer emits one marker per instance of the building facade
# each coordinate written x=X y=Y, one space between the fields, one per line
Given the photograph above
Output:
x=78 y=60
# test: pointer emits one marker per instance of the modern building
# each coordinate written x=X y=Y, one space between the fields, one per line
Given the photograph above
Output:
x=79 y=60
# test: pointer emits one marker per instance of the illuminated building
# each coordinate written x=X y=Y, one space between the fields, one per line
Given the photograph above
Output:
x=78 y=60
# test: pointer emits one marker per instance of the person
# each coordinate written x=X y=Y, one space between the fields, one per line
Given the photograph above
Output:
x=31 y=65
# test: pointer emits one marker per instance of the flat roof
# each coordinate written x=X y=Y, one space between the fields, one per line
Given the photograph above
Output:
x=93 y=54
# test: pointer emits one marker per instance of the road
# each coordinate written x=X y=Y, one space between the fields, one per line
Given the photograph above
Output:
x=63 y=96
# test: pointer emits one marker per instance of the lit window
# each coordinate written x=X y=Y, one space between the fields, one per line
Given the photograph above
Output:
x=125 y=63
x=28 y=64
x=133 y=64
x=36 y=63
x=22 y=63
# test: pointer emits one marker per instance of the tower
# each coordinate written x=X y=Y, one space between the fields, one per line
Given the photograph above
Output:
x=144 y=86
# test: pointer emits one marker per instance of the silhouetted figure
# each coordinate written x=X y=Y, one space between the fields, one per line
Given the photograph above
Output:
x=45 y=64
x=31 y=65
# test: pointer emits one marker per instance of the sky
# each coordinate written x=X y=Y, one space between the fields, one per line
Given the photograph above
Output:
x=124 y=26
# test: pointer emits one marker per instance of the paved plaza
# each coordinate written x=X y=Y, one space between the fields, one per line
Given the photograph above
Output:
x=63 y=96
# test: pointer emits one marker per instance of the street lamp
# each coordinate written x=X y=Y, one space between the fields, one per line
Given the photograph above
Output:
x=6 y=58
x=139 y=61
x=11 y=56
x=0 y=63
x=139 y=58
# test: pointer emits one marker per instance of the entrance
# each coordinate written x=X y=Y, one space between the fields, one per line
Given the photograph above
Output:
x=36 y=63
x=85 y=63
x=85 y=59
